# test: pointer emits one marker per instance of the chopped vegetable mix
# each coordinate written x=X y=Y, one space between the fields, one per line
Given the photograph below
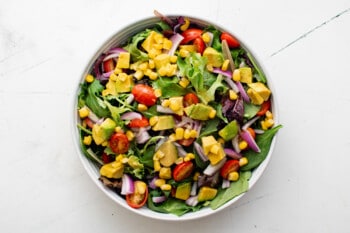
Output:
x=177 y=118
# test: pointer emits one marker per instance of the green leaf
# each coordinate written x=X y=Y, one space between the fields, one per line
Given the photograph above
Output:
x=236 y=188
x=261 y=76
x=178 y=207
x=264 y=142
x=93 y=99
x=169 y=87
x=133 y=47
x=250 y=110
x=210 y=127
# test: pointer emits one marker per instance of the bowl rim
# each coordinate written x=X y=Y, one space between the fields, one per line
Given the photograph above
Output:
x=92 y=170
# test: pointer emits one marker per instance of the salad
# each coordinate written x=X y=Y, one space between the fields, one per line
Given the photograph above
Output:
x=177 y=117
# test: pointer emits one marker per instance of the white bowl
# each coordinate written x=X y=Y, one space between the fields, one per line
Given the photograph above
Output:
x=119 y=38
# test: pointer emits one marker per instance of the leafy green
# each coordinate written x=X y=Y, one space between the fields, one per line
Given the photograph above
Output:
x=210 y=127
x=94 y=101
x=264 y=142
x=169 y=87
x=235 y=189
x=216 y=44
x=261 y=76
x=133 y=47
x=209 y=95
x=178 y=207
x=147 y=156
x=237 y=56
x=250 y=110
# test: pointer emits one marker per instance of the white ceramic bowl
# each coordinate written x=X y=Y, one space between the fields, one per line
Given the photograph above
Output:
x=119 y=38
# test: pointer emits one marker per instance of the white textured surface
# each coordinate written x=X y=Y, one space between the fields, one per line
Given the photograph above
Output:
x=44 y=46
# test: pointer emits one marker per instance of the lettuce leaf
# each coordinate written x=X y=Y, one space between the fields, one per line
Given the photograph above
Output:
x=133 y=47
x=94 y=101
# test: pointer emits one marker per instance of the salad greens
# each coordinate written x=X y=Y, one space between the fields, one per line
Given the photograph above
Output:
x=151 y=110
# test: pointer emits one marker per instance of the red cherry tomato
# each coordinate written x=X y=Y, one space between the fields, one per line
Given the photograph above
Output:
x=231 y=41
x=144 y=94
x=106 y=158
x=191 y=34
x=183 y=171
x=108 y=65
x=119 y=143
x=190 y=98
x=199 y=44
x=89 y=122
x=251 y=131
x=230 y=166
x=137 y=200
x=186 y=142
x=265 y=106
x=139 y=123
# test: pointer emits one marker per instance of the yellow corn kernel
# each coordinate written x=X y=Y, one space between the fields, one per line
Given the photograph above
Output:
x=179 y=160
x=184 y=53
x=173 y=59
x=243 y=161
x=133 y=66
x=206 y=37
x=236 y=75
x=172 y=137
x=212 y=114
x=171 y=70
x=142 y=107
x=225 y=64
x=179 y=133
x=165 y=173
x=159 y=182
x=105 y=143
x=153 y=120
x=122 y=77
x=153 y=53
x=233 y=176
x=189 y=156
x=165 y=103
x=215 y=149
x=269 y=123
x=242 y=145
x=175 y=106
x=119 y=158
x=117 y=70
x=87 y=140
x=232 y=94
x=263 y=125
x=143 y=66
x=139 y=74
x=158 y=93
x=165 y=187
x=89 y=78
x=167 y=44
x=156 y=165
x=184 y=26
x=140 y=187
x=193 y=133
x=184 y=82
x=269 y=115
x=153 y=76
x=162 y=71
x=221 y=141
x=148 y=72
x=210 y=67
x=151 y=64
x=83 y=112
x=130 y=135
x=195 y=176
x=187 y=133
x=118 y=129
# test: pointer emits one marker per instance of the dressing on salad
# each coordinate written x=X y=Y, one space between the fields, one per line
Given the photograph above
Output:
x=176 y=118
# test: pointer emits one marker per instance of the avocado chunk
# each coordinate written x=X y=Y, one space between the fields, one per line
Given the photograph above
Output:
x=214 y=58
x=206 y=193
x=114 y=170
x=103 y=132
x=168 y=153
x=183 y=191
x=212 y=149
x=164 y=122
x=229 y=131
x=198 y=111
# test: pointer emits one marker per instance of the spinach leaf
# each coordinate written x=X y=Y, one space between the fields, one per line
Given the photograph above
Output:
x=147 y=156
x=178 y=207
x=250 y=110
x=93 y=100
x=210 y=127
x=261 y=76
x=235 y=189
x=169 y=87
x=264 y=142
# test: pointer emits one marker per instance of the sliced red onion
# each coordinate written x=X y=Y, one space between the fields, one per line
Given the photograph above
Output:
x=243 y=92
x=259 y=131
x=250 y=122
x=142 y=136
x=92 y=116
x=159 y=199
x=225 y=184
x=162 y=109
x=111 y=56
x=130 y=98
x=176 y=40
x=163 y=18
x=226 y=73
x=235 y=144
x=200 y=151
x=232 y=154
x=131 y=116
x=246 y=136
x=152 y=182
x=231 y=84
x=180 y=150
x=194 y=188
x=117 y=50
x=185 y=121
x=212 y=169
x=127 y=185
x=192 y=201
x=197 y=126
x=107 y=74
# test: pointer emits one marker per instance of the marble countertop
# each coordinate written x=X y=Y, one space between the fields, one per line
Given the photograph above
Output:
x=44 y=47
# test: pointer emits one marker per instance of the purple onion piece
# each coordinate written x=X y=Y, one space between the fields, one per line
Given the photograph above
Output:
x=192 y=201
x=127 y=185
x=243 y=92
x=131 y=116
x=212 y=169
x=176 y=40
x=225 y=184
x=200 y=151
x=159 y=199
x=245 y=135
x=232 y=154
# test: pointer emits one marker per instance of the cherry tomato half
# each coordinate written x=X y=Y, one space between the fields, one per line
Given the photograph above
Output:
x=230 y=166
x=144 y=94
x=199 y=44
x=106 y=158
x=186 y=142
x=137 y=200
x=119 y=143
x=89 y=122
x=191 y=34
x=252 y=132
x=139 y=123
x=189 y=99
x=108 y=65
x=231 y=41
x=183 y=171
x=265 y=106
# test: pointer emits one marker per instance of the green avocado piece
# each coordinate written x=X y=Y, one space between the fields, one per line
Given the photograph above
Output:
x=198 y=111
x=206 y=193
x=183 y=191
x=169 y=153
x=229 y=131
x=164 y=122
x=102 y=132
x=214 y=58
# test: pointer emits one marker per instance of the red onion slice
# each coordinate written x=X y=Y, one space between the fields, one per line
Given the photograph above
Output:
x=232 y=154
x=250 y=122
x=127 y=185
x=225 y=184
x=200 y=151
x=243 y=92
x=159 y=199
x=250 y=140
x=212 y=169
x=176 y=40
x=192 y=201
x=131 y=116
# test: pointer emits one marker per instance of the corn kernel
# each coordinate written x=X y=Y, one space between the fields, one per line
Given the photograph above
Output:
x=225 y=64
x=165 y=187
x=184 y=26
x=173 y=59
x=162 y=71
x=133 y=66
x=105 y=143
x=159 y=182
x=236 y=75
x=118 y=129
x=190 y=155
x=243 y=161
x=143 y=66
x=117 y=70
x=158 y=155
x=210 y=67
x=269 y=122
x=156 y=165
x=153 y=53
x=89 y=78
x=87 y=140
x=151 y=64
x=263 y=125
x=195 y=176
x=158 y=93
x=139 y=74
x=186 y=159
x=153 y=76
x=242 y=145
x=206 y=37
x=184 y=53
x=179 y=133
x=193 y=133
x=175 y=106
x=142 y=107
x=215 y=149
x=212 y=114
x=130 y=135
x=167 y=44
x=158 y=38
x=119 y=158
x=153 y=120
x=179 y=160
x=83 y=112
x=122 y=77
x=233 y=95
x=184 y=82
x=165 y=173
x=187 y=134
x=233 y=176
x=268 y=115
